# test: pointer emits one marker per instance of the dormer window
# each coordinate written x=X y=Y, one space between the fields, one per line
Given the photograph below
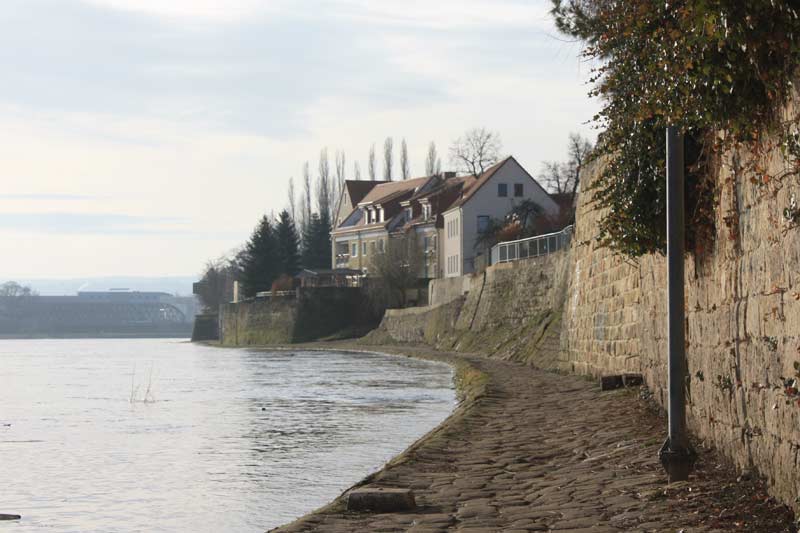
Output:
x=409 y=213
x=426 y=211
x=380 y=215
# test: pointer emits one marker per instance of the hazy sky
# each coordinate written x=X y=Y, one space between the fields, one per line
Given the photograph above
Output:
x=143 y=137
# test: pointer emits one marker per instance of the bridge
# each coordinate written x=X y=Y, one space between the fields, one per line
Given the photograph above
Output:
x=89 y=314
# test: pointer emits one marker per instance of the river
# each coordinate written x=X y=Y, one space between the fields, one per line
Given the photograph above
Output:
x=164 y=435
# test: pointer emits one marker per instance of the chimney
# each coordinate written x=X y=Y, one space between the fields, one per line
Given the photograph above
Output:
x=448 y=175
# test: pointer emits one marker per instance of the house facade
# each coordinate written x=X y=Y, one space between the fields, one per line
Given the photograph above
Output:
x=444 y=214
x=492 y=195
x=365 y=230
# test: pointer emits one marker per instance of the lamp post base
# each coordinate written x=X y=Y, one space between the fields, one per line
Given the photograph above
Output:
x=677 y=460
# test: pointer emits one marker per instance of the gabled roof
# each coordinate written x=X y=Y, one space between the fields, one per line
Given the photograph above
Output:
x=443 y=184
x=485 y=177
x=389 y=189
x=479 y=182
x=358 y=189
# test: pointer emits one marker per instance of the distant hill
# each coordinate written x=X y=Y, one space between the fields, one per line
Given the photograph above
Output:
x=179 y=285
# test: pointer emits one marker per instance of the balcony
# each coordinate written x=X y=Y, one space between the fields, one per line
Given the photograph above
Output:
x=342 y=260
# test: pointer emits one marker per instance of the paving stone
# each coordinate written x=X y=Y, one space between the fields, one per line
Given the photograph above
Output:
x=542 y=451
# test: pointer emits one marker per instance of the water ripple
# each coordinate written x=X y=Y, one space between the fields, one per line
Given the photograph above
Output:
x=258 y=438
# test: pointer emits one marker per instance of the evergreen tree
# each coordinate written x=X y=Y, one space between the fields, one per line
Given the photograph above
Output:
x=317 y=243
x=260 y=265
x=287 y=241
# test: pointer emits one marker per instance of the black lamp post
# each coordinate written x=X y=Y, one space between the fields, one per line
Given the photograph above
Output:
x=676 y=455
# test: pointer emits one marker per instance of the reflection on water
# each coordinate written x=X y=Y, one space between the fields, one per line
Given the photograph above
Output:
x=163 y=435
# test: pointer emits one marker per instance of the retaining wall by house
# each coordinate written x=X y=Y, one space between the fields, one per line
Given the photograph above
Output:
x=510 y=311
x=206 y=328
x=743 y=324
x=310 y=314
x=592 y=312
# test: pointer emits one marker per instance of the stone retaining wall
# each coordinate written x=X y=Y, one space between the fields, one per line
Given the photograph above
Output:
x=310 y=314
x=592 y=312
x=743 y=324
x=510 y=311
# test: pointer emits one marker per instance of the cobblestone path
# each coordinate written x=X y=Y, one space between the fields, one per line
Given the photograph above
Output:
x=547 y=452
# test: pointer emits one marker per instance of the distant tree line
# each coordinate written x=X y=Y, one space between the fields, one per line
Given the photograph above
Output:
x=12 y=289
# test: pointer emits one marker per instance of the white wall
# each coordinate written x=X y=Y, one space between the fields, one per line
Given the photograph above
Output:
x=452 y=243
x=486 y=202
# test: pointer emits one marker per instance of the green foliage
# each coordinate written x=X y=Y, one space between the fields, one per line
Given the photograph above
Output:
x=259 y=265
x=717 y=69
x=288 y=245
x=317 y=243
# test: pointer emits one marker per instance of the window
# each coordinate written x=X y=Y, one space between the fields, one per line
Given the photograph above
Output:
x=355 y=250
x=426 y=211
x=363 y=248
x=483 y=223
x=380 y=246
x=372 y=247
x=518 y=190
x=502 y=190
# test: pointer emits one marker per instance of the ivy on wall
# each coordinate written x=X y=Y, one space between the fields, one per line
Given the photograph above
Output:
x=717 y=69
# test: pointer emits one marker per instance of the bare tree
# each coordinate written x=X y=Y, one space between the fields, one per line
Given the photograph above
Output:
x=216 y=283
x=405 y=169
x=306 y=211
x=338 y=181
x=323 y=186
x=388 y=158
x=292 y=200
x=476 y=150
x=431 y=160
x=395 y=271
x=12 y=289
x=356 y=171
x=578 y=151
x=565 y=177
x=371 y=163
x=555 y=177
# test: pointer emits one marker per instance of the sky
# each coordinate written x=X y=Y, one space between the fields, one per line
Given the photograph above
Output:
x=145 y=137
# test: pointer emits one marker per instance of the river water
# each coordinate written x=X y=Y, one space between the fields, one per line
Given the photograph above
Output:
x=163 y=435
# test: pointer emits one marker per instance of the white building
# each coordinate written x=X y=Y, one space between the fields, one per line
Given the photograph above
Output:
x=491 y=196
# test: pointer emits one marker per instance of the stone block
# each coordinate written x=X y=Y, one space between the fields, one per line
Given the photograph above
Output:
x=611 y=382
x=380 y=500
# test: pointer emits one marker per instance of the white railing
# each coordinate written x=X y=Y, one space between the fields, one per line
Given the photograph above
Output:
x=539 y=245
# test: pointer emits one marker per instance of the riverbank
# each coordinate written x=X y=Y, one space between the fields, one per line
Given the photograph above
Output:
x=529 y=450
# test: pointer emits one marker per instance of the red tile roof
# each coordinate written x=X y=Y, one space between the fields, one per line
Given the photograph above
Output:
x=388 y=189
x=358 y=189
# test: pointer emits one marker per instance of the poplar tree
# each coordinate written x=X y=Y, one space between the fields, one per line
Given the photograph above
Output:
x=405 y=169
x=432 y=161
x=371 y=164
x=388 y=159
